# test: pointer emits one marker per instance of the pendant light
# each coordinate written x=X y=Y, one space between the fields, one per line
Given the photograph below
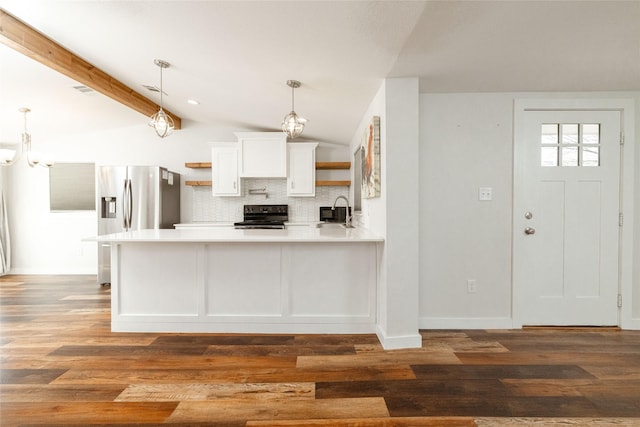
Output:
x=292 y=124
x=8 y=156
x=161 y=122
x=34 y=158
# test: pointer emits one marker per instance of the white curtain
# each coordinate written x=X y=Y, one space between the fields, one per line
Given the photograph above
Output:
x=5 y=241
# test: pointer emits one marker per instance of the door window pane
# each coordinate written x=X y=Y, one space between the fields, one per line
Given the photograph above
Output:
x=591 y=134
x=570 y=156
x=591 y=156
x=570 y=133
x=549 y=133
x=591 y=144
x=549 y=156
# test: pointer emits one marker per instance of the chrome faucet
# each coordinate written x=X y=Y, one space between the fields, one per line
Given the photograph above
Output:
x=347 y=217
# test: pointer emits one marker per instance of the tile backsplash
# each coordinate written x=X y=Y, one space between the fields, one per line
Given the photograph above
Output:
x=207 y=208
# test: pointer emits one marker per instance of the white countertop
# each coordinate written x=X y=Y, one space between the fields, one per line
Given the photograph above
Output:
x=309 y=234
x=204 y=224
x=215 y=224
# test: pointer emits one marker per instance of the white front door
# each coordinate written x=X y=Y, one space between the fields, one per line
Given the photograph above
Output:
x=566 y=218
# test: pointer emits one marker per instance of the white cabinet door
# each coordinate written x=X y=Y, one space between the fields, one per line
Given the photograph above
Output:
x=224 y=171
x=301 y=178
x=263 y=154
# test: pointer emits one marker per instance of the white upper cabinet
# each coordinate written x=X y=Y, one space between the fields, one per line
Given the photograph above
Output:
x=224 y=170
x=301 y=178
x=262 y=154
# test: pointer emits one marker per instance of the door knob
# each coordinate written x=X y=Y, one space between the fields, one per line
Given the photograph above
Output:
x=529 y=230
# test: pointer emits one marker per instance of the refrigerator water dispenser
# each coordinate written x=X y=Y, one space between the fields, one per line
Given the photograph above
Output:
x=108 y=207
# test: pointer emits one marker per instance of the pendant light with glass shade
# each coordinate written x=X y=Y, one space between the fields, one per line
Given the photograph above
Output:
x=34 y=158
x=161 y=122
x=292 y=124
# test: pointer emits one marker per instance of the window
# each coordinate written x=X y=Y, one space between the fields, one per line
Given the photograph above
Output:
x=72 y=187
x=570 y=144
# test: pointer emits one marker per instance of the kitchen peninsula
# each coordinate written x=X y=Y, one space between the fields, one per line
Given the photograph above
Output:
x=304 y=279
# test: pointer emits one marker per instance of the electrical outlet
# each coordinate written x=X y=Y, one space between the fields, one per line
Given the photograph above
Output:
x=472 y=287
x=485 y=193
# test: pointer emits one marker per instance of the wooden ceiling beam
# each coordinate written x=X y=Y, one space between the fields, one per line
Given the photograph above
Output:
x=28 y=41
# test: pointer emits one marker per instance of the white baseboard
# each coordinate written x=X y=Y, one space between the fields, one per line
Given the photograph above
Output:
x=400 y=341
x=48 y=271
x=466 y=323
x=633 y=324
x=488 y=323
x=248 y=328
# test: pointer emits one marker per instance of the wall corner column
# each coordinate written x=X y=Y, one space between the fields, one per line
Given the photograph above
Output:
x=398 y=322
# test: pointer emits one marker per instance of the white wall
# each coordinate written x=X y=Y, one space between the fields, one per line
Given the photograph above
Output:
x=45 y=242
x=466 y=143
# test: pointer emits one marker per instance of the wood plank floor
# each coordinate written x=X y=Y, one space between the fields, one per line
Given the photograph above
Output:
x=61 y=365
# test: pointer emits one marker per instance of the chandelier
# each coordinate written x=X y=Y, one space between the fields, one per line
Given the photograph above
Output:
x=34 y=158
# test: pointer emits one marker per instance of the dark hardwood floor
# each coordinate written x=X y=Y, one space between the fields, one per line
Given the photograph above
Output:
x=61 y=365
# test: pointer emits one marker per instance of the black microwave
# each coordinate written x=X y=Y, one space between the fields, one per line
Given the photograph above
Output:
x=330 y=215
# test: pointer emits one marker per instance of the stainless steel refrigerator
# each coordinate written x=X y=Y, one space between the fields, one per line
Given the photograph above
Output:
x=133 y=198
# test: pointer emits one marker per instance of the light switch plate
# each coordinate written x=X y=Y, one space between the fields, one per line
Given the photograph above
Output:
x=485 y=193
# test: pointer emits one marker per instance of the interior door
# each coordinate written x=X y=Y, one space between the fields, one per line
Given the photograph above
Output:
x=566 y=218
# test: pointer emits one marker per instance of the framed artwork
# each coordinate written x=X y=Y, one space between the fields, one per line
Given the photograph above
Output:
x=370 y=160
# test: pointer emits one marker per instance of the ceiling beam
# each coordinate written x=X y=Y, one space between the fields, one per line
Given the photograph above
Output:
x=26 y=40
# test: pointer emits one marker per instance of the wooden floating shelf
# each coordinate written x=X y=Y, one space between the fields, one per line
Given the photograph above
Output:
x=333 y=183
x=333 y=165
x=198 y=183
x=198 y=165
x=318 y=183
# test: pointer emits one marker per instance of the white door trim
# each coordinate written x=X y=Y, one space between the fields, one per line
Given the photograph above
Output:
x=626 y=108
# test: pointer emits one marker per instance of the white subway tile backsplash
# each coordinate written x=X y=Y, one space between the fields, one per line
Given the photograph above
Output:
x=207 y=208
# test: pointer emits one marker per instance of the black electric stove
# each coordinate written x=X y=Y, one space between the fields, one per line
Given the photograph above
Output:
x=264 y=217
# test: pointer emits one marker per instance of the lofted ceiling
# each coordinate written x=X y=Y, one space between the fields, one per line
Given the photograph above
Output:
x=235 y=57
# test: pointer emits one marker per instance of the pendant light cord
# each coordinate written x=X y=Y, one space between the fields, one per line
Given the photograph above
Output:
x=26 y=138
x=161 y=67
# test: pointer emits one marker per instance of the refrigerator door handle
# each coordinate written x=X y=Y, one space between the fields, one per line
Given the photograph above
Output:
x=130 y=204
x=125 y=207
